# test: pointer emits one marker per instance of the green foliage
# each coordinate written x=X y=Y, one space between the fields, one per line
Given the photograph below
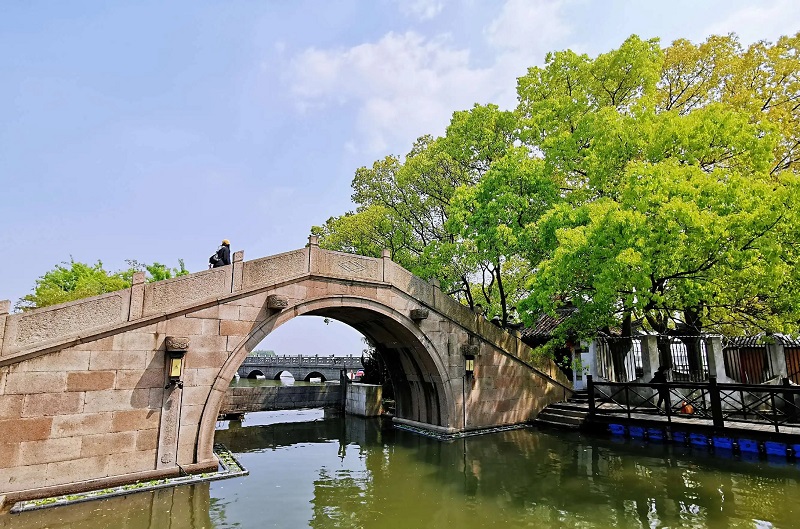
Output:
x=647 y=183
x=154 y=272
x=69 y=281
x=404 y=206
x=677 y=210
x=73 y=280
x=262 y=352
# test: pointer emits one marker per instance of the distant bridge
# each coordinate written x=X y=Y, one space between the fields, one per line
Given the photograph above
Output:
x=301 y=367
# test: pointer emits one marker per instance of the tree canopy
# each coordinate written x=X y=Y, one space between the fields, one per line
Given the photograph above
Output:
x=647 y=184
x=73 y=280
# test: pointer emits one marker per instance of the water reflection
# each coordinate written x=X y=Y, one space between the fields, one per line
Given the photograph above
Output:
x=174 y=508
x=349 y=472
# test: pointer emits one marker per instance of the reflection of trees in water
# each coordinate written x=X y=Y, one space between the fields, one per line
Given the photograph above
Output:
x=218 y=515
x=557 y=479
x=385 y=477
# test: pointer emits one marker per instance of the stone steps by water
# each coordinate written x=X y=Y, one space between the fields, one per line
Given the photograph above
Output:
x=570 y=414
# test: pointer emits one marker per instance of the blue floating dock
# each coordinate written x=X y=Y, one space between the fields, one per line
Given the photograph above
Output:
x=725 y=443
x=655 y=434
x=616 y=429
x=636 y=432
x=775 y=449
x=748 y=446
x=698 y=439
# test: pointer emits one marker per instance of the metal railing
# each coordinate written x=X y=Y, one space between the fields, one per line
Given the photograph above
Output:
x=689 y=358
x=619 y=358
x=722 y=404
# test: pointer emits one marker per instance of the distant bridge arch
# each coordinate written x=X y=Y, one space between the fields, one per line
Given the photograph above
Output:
x=89 y=376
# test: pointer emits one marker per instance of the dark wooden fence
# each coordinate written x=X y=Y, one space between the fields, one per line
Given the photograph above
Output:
x=722 y=404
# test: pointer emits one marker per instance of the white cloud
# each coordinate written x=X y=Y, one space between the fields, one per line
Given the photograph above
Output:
x=402 y=86
x=405 y=84
x=527 y=27
x=421 y=9
x=763 y=20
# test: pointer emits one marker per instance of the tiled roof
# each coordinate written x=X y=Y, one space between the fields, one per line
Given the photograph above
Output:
x=760 y=340
x=544 y=325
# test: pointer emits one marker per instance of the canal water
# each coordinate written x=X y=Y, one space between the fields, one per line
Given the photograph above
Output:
x=343 y=472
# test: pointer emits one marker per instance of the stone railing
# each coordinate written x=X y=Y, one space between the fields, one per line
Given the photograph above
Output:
x=303 y=361
x=60 y=325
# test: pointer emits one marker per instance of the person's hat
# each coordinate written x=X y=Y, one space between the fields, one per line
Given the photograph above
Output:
x=226 y=242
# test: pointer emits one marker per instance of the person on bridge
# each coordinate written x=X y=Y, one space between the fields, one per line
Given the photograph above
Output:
x=222 y=256
x=659 y=380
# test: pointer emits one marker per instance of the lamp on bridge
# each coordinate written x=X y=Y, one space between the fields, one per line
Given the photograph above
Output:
x=469 y=365
x=176 y=350
x=469 y=352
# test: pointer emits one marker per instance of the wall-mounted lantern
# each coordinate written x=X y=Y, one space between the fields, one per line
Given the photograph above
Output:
x=469 y=365
x=469 y=352
x=176 y=348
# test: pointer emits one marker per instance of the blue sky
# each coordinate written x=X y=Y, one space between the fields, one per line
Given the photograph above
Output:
x=152 y=130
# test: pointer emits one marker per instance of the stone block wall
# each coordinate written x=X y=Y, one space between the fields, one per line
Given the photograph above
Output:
x=501 y=391
x=363 y=400
x=86 y=412
x=269 y=398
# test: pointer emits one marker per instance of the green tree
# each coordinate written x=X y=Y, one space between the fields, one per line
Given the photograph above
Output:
x=69 y=281
x=496 y=216
x=680 y=190
x=646 y=183
x=404 y=205
x=73 y=280
x=154 y=272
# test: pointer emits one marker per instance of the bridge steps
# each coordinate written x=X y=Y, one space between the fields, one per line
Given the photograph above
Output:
x=570 y=415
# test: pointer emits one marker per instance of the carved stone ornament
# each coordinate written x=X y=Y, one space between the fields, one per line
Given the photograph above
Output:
x=419 y=314
x=177 y=343
x=470 y=350
x=275 y=301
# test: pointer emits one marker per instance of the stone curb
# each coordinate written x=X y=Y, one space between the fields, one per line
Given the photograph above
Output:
x=231 y=468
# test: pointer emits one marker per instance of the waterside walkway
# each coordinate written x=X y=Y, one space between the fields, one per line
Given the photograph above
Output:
x=755 y=419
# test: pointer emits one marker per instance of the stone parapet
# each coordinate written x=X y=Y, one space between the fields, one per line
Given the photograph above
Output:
x=71 y=319
x=271 y=398
x=346 y=265
x=275 y=269
x=171 y=294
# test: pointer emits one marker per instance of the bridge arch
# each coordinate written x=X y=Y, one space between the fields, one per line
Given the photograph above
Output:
x=314 y=374
x=255 y=373
x=414 y=362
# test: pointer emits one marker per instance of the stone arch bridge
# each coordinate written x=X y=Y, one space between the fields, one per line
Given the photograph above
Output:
x=84 y=395
x=300 y=367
